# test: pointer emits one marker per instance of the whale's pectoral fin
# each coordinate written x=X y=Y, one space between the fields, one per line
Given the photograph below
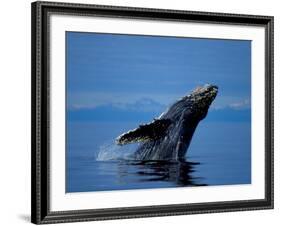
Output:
x=146 y=132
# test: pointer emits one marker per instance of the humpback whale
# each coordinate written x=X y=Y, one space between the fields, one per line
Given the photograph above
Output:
x=168 y=137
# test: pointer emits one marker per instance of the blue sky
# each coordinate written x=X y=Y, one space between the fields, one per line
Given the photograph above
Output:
x=109 y=74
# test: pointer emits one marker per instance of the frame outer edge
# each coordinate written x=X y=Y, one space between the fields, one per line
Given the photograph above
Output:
x=39 y=208
x=34 y=190
x=151 y=10
x=269 y=113
x=271 y=106
x=37 y=215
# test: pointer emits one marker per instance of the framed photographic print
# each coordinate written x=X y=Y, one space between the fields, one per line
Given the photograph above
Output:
x=141 y=112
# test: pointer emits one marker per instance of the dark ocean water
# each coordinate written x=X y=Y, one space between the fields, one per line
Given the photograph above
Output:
x=219 y=154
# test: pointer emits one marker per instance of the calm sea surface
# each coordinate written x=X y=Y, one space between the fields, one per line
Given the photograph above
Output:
x=219 y=154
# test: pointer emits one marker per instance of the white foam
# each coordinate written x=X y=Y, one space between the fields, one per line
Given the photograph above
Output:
x=112 y=151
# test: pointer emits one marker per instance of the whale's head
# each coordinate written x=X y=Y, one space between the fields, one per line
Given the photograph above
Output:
x=194 y=105
x=201 y=99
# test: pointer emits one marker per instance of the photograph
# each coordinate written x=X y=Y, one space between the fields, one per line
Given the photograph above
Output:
x=148 y=112
x=145 y=112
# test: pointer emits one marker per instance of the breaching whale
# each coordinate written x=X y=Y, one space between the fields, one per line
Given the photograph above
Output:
x=168 y=137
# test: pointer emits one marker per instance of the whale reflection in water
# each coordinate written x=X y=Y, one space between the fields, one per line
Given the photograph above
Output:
x=175 y=173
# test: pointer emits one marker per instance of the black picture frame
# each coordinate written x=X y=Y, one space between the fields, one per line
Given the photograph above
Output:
x=40 y=211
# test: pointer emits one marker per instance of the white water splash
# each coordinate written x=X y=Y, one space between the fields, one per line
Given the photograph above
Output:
x=112 y=151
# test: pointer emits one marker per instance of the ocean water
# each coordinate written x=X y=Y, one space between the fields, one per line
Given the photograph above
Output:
x=219 y=154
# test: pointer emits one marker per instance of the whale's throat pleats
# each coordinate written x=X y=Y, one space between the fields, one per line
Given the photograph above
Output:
x=146 y=132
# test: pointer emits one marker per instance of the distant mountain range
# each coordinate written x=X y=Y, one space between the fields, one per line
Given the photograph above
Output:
x=145 y=110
